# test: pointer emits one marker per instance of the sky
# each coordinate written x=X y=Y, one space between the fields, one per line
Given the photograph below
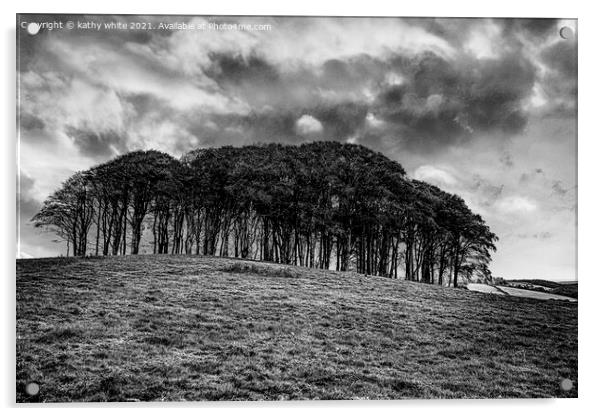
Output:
x=483 y=108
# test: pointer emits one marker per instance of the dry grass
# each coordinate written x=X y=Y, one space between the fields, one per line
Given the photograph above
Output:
x=202 y=328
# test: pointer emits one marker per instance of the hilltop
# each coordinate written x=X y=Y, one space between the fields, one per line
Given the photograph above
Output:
x=166 y=327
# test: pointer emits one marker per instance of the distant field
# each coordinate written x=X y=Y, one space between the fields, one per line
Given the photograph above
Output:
x=522 y=293
x=512 y=291
x=203 y=328
x=565 y=288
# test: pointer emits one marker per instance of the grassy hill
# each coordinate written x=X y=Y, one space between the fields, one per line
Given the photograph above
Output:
x=203 y=328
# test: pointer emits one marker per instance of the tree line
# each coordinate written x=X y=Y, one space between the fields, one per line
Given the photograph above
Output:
x=324 y=205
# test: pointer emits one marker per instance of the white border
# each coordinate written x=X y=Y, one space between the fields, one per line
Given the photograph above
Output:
x=590 y=136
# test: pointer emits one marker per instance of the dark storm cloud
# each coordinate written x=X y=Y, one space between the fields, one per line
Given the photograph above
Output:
x=439 y=101
x=341 y=120
x=30 y=122
x=538 y=28
x=560 y=81
x=145 y=103
x=270 y=126
x=238 y=69
x=97 y=144
x=442 y=101
x=354 y=72
x=495 y=94
x=337 y=73
x=443 y=98
x=255 y=127
x=251 y=78
x=562 y=57
x=262 y=83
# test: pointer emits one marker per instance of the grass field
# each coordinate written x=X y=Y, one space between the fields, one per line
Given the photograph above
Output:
x=202 y=328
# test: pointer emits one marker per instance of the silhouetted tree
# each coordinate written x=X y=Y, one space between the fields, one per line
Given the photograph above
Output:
x=322 y=204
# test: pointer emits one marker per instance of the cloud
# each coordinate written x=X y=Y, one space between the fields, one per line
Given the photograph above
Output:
x=413 y=76
x=558 y=188
x=516 y=205
x=442 y=102
x=558 y=85
x=71 y=105
x=49 y=158
x=481 y=40
x=488 y=193
x=562 y=57
x=341 y=120
x=394 y=79
x=163 y=135
x=317 y=40
x=537 y=28
x=30 y=122
x=26 y=202
x=31 y=242
x=307 y=125
x=374 y=122
x=435 y=175
x=237 y=69
x=530 y=176
x=97 y=144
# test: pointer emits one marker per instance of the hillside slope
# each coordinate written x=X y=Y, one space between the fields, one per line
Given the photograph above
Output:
x=203 y=328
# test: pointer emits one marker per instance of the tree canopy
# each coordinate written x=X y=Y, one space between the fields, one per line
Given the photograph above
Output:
x=322 y=204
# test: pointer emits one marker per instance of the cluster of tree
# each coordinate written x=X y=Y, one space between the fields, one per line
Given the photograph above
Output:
x=323 y=204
